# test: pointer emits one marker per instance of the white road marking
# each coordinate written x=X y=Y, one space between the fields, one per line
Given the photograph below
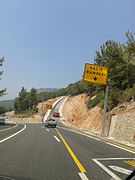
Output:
x=79 y=133
x=113 y=158
x=125 y=149
x=8 y=128
x=5 y=177
x=121 y=170
x=56 y=138
x=9 y=137
x=83 y=176
x=120 y=147
x=106 y=170
x=48 y=130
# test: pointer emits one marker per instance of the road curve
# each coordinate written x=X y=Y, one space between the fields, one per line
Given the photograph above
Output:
x=38 y=153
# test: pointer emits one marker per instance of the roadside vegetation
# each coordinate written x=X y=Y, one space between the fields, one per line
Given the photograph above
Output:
x=26 y=102
x=3 y=109
x=2 y=91
x=120 y=59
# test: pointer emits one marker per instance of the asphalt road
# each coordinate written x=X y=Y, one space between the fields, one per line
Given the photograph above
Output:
x=33 y=152
x=6 y=126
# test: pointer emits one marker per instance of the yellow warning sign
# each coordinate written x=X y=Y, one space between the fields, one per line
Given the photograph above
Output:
x=95 y=74
x=48 y=106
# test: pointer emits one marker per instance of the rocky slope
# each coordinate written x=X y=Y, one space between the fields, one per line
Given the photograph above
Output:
x=120 y=122
x=76 y=113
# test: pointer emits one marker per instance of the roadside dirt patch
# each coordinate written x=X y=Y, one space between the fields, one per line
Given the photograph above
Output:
x=36 y=118
x=75 y=112
x=122 y=122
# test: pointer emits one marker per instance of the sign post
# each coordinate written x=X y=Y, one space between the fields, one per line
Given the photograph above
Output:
x=99 y=75
x=105 y=107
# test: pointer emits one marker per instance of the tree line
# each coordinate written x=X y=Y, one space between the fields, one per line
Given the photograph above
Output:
x=26 y=101
x=120 y=59
x=3 y=109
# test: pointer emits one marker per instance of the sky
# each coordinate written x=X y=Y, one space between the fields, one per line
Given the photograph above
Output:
x=47 y=42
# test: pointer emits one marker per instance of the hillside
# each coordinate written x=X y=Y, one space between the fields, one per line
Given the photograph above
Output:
x=7 y=103
x=75 y=112
x=40 y=90
x=34 y=118
x=121 y=119
x=120 y=60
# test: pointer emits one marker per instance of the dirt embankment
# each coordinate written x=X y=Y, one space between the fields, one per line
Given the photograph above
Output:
x=36 y=118
x=121 y=119
x=75 y=111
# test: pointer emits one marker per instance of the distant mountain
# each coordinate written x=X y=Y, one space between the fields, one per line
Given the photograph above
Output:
x=46 y=90
x=7 y=103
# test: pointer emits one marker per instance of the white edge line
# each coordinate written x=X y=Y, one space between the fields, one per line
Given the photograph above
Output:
x=13 y=134
x=83 y=176
x=125 y=149
x=106 y=170
x=79 y=133
x=48 y=130
x=120 y=147
x=104 y=159
x=8 y=128
x=56 y=138
x=6 y=177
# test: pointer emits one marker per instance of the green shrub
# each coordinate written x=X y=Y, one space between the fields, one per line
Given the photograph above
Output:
x=102 y=103
x=93 y=102
x=3 y=109
x=134 y=92
x=115 y=96
x=128 y=94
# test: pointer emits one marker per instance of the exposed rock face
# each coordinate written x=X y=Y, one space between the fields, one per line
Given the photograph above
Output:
x=122 y=126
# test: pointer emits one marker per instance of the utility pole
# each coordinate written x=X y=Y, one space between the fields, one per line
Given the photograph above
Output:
x=105 y=107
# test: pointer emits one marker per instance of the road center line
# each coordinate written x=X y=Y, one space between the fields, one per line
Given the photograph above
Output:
x=56 y=138
x=9 y=137
x=83 y=176
x=77 y=162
